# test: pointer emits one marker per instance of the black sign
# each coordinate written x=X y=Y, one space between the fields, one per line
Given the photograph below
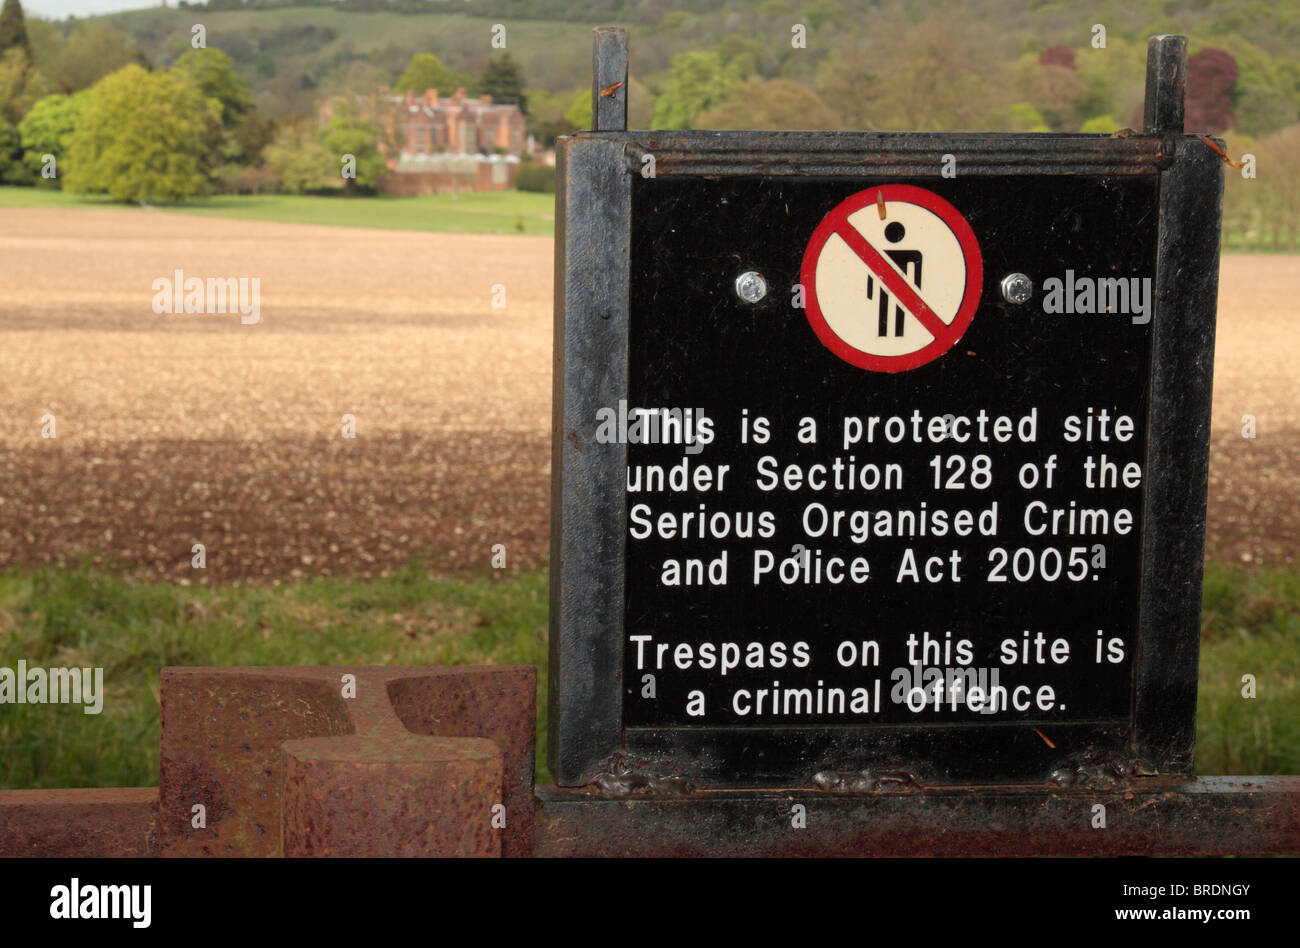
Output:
x=956 y=542
x=879 y=458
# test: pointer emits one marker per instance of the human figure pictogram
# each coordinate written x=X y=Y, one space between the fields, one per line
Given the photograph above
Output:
x=906 y=260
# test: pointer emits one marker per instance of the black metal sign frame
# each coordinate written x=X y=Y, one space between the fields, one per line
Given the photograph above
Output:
x=589 y=744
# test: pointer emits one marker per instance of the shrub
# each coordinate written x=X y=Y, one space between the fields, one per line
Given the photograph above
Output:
x=140 y=138
x=534 y=176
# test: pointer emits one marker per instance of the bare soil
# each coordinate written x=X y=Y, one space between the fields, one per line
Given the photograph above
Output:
x=173 y=430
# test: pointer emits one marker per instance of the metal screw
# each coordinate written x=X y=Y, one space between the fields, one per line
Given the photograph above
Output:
x=1017 y=288
x=751 y=287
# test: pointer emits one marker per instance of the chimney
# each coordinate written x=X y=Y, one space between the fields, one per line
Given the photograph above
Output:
x=460 y=95
x=410 y=96
x=485 y=99
x=431 y=98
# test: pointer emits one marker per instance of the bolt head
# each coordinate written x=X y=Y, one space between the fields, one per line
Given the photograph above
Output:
x=751 y=287
x=1017 y=288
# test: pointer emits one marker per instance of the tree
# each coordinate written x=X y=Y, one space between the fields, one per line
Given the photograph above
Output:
x=578 y=115
x=1057 y=56
x=1100 y=124
x=1211 y=77
x=252 y=135
x=769 y=104
x=12 y=170
x=47 y=130
x=820 y=12
x=742 y=53
x=546 y=115
x=942 y=73
x=1058 y=93
x=503 y=81
x=1265 y=95
x=297 y=157
x=47 y=44
x=1115 y=80
x=1023 y=117
x=359 y=80
x=13 y=28
x=426 y=71
x=561 y=113
x=1244 y=200
x=1279 y=197
x=347 y=133
x=92 y=52
x=20 y=84
x=14 y=67
x=140 y=138
x=213 y=76
x=696 y=81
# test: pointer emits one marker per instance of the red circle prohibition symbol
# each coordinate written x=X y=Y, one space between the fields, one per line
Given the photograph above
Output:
x=945 y=334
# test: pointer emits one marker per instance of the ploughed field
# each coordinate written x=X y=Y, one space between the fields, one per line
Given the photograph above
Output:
x=172 y=430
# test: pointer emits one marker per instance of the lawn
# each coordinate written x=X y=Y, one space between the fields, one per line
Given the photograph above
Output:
x=79 y=617
x=475 y=212
x=478 y=212
x=1250 y=626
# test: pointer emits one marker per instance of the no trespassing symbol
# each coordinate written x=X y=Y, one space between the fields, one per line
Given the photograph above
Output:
x=893 y=277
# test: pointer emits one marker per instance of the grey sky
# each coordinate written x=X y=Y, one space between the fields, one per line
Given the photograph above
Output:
x=58 y=9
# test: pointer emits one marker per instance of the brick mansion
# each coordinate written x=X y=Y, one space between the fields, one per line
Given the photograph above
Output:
x=458 y=143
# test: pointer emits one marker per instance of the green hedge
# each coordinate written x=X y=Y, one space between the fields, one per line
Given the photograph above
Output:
x=534 y=176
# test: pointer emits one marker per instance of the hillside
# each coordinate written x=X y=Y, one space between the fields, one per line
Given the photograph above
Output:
x=284 y=50
x=287 y=54
x=929 y=65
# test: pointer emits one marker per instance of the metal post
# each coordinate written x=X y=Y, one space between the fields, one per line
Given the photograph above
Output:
x=609 y=80
x=1166 y=82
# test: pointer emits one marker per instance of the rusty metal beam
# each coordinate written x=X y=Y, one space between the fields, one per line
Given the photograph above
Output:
x=99 y=823
x=224 y=734
x=1158 y=817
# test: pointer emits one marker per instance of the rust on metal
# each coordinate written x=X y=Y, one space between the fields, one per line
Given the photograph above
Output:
x=101 y=823
x=498 y=703
x=221 y=734
x=223 y=730
x=391 y=795
x=1214 y=147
